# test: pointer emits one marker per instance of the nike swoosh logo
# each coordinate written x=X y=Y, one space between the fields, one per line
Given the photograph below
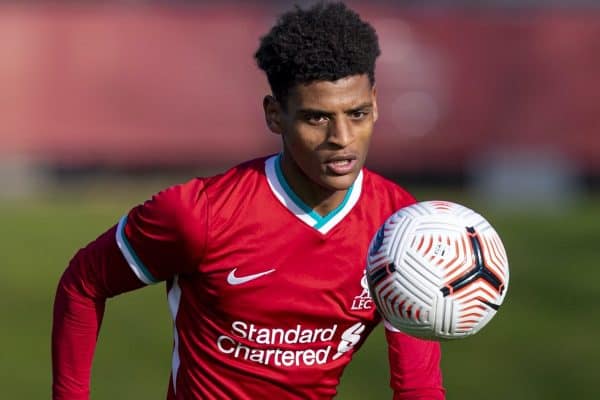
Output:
x=238 y=280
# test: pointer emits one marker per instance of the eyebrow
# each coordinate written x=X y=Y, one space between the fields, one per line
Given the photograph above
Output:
x=309 y=111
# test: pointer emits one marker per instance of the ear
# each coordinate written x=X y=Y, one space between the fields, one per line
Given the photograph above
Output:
x=375 y=109
x=273 y=116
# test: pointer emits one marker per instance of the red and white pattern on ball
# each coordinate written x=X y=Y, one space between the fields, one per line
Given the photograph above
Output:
x=437 y=269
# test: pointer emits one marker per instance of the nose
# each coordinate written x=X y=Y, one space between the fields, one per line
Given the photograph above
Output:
x=340 y=133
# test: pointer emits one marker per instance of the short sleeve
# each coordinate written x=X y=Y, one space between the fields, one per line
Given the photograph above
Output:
x=166 y=235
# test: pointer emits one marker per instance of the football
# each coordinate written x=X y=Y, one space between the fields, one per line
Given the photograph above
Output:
x=437 y=270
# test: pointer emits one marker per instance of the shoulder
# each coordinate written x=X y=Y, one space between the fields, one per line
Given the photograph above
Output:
x=180 y=200
x=193 y=191
x=243 y=173
x=379 y=187
x=189 y=206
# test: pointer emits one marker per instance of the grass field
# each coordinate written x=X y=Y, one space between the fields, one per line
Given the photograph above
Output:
x=542 y=345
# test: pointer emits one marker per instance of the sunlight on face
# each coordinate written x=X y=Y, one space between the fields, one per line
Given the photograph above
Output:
x=326 y=129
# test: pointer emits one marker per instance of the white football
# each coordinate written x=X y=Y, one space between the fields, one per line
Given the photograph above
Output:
x=437 y=270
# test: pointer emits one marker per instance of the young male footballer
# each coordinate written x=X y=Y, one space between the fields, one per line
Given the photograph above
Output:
x=264 y=264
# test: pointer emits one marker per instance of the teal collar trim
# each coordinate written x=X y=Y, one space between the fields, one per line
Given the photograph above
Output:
x=320 y=221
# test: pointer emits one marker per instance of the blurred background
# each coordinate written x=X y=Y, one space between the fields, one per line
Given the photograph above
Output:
x=493 y=104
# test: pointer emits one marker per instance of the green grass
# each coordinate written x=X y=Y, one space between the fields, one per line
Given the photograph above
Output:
x=541 y=345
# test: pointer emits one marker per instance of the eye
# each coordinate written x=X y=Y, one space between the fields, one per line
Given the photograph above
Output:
x=317 y=119
x=359 y=114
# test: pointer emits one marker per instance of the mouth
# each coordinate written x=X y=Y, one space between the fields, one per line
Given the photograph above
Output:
x=341 y=165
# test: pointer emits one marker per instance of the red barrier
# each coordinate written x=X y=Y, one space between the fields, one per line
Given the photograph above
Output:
x=153 y=85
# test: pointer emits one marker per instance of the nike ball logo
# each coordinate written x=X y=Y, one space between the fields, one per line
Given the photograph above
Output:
x=232 y=279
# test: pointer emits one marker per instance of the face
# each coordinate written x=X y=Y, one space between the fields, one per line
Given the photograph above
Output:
x=326 y=129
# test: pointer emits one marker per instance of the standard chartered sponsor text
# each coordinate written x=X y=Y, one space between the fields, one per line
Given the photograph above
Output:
x=277 y=356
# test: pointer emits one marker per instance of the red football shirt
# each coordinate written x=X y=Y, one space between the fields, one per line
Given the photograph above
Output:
x=268 y=298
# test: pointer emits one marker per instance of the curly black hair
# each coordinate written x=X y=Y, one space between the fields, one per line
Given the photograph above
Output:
x=327 y=41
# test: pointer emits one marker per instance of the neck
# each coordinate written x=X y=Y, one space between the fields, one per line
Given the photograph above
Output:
x=320 y=199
